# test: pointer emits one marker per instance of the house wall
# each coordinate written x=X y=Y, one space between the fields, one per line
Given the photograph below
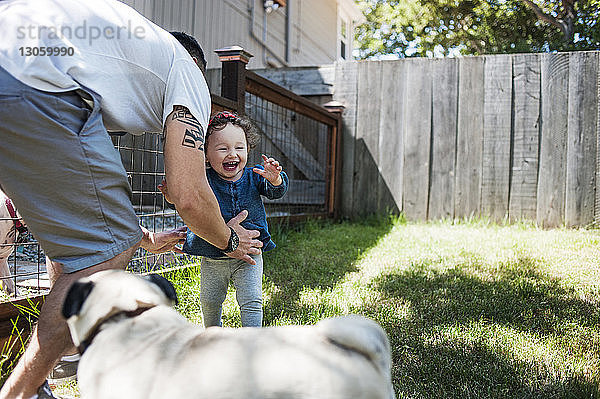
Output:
x=216 y=24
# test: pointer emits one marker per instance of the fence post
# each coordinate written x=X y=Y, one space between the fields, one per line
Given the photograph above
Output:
x=233 y=74
x=335 y=160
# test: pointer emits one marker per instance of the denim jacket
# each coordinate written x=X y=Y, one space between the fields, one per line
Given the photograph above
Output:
x=234 y=197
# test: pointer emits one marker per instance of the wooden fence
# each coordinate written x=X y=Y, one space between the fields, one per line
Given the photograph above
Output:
x=504 y=136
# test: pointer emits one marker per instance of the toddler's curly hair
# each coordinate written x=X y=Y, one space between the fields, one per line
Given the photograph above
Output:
x=221 y=119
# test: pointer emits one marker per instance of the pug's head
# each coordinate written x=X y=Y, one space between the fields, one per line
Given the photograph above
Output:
x=93 y=300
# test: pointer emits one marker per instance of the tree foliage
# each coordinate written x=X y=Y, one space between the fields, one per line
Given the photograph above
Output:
x=441 y=27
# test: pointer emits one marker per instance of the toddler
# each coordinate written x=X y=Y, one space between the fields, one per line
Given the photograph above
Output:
x=229 y=138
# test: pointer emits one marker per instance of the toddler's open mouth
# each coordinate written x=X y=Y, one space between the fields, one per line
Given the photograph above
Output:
x=230 y=166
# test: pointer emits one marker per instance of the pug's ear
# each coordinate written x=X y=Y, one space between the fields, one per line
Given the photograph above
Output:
x=164 y=285
x=75 y=298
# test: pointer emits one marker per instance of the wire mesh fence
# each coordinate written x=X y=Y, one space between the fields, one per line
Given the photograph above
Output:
x=142 y=157
x=22 y=263
x=300 y=144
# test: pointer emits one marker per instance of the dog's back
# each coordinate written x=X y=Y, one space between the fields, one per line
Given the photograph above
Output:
x=152 y=352
x=344 y=357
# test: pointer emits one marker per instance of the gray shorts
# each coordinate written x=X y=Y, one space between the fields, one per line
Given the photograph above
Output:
x=60 y=168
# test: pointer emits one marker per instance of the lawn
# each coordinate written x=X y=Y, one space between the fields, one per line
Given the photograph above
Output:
x=472 y=309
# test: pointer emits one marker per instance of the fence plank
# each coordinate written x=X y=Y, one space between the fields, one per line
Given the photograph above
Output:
x=597 y=199
x=391 y=134
x=417 y=138
x=496 y=136
x=553 y=142
x=443 y=146
x=581 y=144
x=366 y=173
x=526 y=132
x=302 y=192
x=346 y=92
x=305 y=81
x=469 y=149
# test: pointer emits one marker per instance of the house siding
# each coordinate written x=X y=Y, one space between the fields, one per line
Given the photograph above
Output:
x=216 y=24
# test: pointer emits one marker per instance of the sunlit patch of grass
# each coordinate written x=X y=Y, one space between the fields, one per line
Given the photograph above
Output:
x=67 y=390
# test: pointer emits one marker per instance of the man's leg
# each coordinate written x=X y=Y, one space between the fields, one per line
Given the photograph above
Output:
x=51 y=339
x=60 y=168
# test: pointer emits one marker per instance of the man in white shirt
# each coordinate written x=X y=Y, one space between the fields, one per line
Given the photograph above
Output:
x=70 y=70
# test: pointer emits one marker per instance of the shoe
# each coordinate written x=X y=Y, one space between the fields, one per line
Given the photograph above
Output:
x=64 y=371
x=44 y=392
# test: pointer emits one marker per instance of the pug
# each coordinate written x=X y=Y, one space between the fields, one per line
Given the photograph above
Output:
x=135 y=345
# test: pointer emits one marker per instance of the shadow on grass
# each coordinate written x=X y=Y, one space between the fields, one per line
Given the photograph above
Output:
x=519 y=297
x=474 y=330
x=319 y=261
x=441 y=347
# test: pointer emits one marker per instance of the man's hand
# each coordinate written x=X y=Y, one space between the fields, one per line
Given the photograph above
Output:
x=164 y=189
x=163 y=241
x=272 y=171
x=248 y=245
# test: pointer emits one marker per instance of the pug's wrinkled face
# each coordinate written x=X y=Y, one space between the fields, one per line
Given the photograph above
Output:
x=91 y=301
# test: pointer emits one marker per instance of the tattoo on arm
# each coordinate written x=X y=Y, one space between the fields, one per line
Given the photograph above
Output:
x=194 y=134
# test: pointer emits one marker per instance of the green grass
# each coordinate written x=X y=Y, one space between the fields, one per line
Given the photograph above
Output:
x=472 y=309
x=14 y=347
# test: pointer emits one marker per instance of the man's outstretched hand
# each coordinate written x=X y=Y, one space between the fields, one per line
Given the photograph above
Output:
x=163 y=241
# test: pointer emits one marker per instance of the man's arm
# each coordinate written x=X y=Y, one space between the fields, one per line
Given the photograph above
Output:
x=189 y=189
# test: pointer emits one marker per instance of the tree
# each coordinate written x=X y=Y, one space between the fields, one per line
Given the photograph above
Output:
x=441 y=27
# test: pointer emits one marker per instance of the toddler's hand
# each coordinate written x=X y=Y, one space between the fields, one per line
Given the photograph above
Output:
x=272 y=171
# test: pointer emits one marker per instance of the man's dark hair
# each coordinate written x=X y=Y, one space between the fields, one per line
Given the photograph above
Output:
x=192 y=47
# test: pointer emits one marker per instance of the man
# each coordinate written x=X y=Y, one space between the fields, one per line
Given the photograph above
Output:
x=70 y=70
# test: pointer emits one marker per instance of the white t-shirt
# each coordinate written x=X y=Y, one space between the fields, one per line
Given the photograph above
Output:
x=138 y=70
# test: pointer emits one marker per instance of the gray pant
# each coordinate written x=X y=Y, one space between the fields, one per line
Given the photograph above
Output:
x=247 y=280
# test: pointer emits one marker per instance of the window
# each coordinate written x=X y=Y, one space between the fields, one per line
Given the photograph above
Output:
x=343 y=38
